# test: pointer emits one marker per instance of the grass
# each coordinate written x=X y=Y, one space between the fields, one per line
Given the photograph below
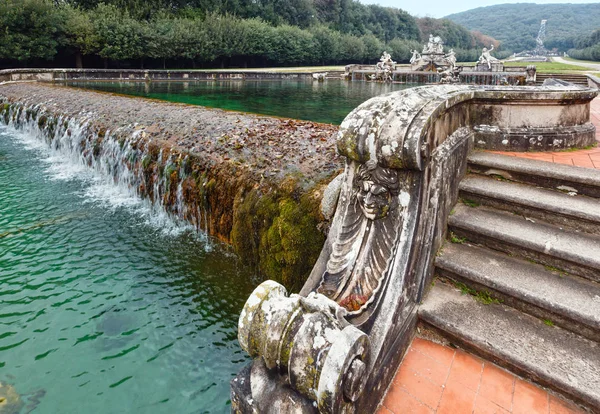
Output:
x=582 y=61
x=499 y=177
x=455 y=239
x=549 y=67
x=548 y=322
x=484 y=296
x=553 y=269
x=470 y=203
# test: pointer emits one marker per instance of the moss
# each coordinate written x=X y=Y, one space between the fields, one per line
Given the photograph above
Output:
x=470 y=203
x=42 y=121
x=146 y=161
x=278 y=233
x=455 y=239
x=483 y=296
x=5 y=112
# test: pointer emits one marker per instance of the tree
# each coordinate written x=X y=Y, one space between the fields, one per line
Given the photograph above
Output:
x=121 y=37
x=29 y=29
x=80 y=35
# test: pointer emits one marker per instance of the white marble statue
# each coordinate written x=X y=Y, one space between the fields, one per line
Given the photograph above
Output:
x=434 y=45
x=386 y=63
x=416 y=56
x=486 y=56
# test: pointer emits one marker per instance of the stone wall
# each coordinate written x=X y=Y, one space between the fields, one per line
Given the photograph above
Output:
x=53 y=75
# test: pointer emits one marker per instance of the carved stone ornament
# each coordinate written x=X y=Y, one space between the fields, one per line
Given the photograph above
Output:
x=324 y=357
x=363 y=249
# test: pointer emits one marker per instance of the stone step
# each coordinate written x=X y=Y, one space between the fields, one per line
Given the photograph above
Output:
x=569 y=302
x=574 y=252
x=548 y=355
x=563 y=177
x=573 y=78
x=576 y=212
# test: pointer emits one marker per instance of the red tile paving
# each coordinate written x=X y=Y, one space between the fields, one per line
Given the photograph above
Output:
x=581 y=158
x=436 y=379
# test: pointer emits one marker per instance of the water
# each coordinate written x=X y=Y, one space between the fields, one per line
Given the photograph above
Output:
x=106 y=304
x=327 y=102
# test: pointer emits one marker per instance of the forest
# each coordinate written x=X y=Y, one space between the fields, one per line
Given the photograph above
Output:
x=568 y=26
x=216 y=33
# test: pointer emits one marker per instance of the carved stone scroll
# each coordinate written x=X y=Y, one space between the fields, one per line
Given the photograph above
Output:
x=307 y=338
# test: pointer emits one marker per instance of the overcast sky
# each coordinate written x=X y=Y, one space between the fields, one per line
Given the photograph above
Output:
x=441 y=8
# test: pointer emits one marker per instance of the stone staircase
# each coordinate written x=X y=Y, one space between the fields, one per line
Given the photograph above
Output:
x=518 y=280
x=577 y=79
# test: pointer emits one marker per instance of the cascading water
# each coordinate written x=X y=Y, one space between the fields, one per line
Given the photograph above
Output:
x=159 y=174
x=108 y=305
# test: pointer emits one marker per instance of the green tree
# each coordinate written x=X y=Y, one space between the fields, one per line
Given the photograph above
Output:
x=29 y=29
x=373 y=47
x=121 y=37
x=80 y=35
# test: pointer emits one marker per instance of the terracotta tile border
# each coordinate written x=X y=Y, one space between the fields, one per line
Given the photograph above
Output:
x=437 y=379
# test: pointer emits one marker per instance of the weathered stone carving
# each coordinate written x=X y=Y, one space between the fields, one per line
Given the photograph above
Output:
x=487 y=62
x=416 y=56
x=433 y=57
x=486 y=56
x=530 y=72
x=307 y=338
x=385 y=67
x=434 y=46
x=363 y=249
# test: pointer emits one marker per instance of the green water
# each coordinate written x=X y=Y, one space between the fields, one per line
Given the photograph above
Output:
x=105 y=305
x=327 y=102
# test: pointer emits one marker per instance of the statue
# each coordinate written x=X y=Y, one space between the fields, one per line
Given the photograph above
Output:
x=434 y=46
x=386 y=61
x=530 y=75
x=385 y=67
x=433 y=56
x=416 y=56
x=450 y=74
x=451 y=58
x=486 y=57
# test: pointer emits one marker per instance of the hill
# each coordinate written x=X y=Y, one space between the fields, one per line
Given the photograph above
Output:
x=517 y=25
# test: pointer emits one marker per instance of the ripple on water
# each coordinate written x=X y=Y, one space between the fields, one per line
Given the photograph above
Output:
x=107 y=305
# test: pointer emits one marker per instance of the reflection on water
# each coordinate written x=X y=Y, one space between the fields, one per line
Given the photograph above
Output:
x=328 y=101
x=104 y=308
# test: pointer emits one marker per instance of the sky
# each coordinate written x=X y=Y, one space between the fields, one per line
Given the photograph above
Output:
x=441 y=8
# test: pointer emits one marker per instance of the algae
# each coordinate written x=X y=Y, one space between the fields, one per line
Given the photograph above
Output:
x=278 y=233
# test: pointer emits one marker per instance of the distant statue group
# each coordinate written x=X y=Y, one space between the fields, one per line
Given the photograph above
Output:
x=385 y=67
x=433 y=58
x=434 y=46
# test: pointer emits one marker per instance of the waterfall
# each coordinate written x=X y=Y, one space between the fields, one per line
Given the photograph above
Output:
x=147 y=169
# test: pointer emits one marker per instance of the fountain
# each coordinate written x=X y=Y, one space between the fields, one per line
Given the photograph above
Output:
x=433 y=65
x=539 y=54
x=433 y=57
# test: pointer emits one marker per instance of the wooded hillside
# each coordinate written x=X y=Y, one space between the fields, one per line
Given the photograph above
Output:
x=517 y=25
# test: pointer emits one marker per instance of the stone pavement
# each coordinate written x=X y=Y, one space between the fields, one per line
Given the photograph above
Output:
x=438 y=379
